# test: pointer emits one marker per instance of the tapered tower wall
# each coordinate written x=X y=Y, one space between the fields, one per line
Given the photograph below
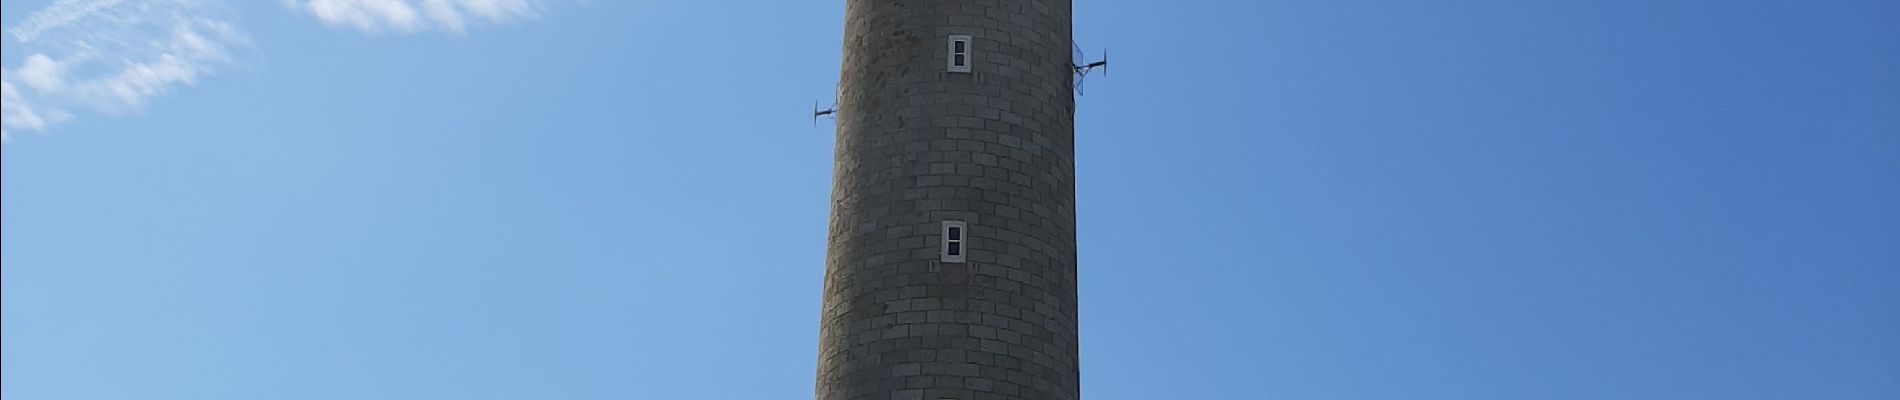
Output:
x=918 y=145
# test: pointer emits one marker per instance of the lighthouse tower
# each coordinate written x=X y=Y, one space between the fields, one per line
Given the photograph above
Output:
x=951 y=267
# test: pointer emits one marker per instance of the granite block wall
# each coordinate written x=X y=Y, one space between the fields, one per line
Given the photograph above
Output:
x=918 y=145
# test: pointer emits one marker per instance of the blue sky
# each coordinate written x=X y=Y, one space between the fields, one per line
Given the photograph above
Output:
x=1301 y=199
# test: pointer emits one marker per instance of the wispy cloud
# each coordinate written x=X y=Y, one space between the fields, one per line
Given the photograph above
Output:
x=56 y=15
x=116 y=56
x=109 y=55
x=405 y=16
x=16 y=113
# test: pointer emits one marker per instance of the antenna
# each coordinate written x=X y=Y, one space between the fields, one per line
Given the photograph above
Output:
x=1076 y=59
x=1083 y=67
x=828 y=112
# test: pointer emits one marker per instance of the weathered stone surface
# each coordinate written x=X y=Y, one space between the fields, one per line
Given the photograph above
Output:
x=918 y=145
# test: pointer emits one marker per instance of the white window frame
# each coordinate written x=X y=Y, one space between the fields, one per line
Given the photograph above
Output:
x=950 y=60
x=962 y=240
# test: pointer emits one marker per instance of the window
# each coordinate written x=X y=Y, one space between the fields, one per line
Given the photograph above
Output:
x=959 y=53
x=954 y=234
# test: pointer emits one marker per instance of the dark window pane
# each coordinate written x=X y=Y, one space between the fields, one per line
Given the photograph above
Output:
x=959 y=60
x=960 y=48
x=956 y=233
x=956 y=249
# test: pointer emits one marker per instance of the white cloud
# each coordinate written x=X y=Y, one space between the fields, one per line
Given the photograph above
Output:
x=454 y=16
x=116 y=56
x=178 y=60
x=110 y=56
x=42 y=73
x=60 y=13
x=15 y=113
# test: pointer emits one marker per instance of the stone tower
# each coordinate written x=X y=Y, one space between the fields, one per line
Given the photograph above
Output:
x=951 y=267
